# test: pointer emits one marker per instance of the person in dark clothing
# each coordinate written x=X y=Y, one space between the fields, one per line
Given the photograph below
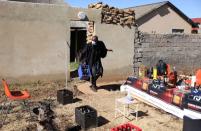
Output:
x=161 y=68
x=91 y=55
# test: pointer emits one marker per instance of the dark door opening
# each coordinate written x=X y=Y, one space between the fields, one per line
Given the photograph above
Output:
x=78 y=41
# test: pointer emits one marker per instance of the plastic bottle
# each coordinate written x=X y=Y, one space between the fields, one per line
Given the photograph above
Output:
x=124 y=129
x=128 y=128
x=133 y=129
x=193 y=80
x=154 y=73
x=119 y=129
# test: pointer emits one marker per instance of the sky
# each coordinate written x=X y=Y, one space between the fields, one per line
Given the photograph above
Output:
x=192 y=8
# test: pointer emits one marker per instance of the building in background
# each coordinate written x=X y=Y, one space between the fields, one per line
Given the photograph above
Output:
x=197 y=21
x=162 y=18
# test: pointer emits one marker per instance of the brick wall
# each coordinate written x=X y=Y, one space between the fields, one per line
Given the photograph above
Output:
x=181 y=51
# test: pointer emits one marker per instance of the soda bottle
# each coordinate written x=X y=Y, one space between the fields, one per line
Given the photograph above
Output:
x=124 y=129
x=133 y=129
x=119 y=129
x=128 y=128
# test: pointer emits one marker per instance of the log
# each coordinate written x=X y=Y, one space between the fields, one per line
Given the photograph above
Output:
x=90 y=27
x=108 y=13
x=114 y=21
x=89 y=39
x=131 y=11
x=111 y=7
x=121 y=15
x=128 y=18
x=115 y=10
x=112 y=15
x=106 y=10
x=90 y=31
x=126 y=15
x=89 y=35
x=106 y=6
x=121 y=11
x=98 y=6
x=91 y=6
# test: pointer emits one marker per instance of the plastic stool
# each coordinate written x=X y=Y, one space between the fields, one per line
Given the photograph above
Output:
x=127 y=109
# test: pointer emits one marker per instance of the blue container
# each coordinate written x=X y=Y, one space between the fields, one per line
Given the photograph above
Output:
x=84 y=72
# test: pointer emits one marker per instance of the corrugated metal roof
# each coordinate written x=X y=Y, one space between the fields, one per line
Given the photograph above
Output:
x=197 y=20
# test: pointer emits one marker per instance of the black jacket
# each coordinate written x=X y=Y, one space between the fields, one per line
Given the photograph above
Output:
x=92 y=54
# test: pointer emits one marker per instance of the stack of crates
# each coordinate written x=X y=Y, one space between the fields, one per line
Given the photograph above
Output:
x=126 y=127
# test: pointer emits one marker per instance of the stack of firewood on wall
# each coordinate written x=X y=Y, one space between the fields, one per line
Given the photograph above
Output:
x=112 y=15
x=90 y=31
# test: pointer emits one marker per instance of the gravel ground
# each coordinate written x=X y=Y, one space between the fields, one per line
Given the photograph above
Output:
x=150 y=118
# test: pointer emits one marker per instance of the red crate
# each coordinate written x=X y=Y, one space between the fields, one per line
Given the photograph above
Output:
x=126 y=127
x=138 y=84
x=167 y=95
x=178 y=96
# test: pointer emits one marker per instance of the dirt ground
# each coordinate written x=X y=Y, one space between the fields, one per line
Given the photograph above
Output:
x=150 y=118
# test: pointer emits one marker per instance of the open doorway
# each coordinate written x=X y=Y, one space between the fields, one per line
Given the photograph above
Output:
x=78 y=41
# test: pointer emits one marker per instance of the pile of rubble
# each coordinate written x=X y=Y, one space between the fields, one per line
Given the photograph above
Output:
x=112 y=15
x=45 y=117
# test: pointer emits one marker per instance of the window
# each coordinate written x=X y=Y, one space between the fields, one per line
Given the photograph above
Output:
x=177 y=30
